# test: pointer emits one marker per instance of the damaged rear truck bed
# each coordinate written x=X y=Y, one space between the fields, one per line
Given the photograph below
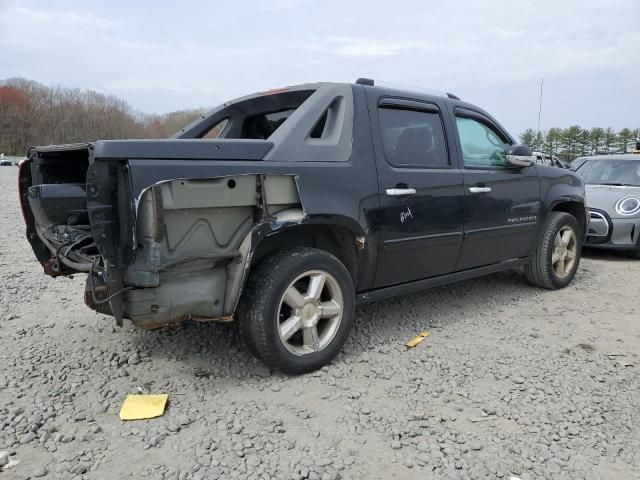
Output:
x=285 y=208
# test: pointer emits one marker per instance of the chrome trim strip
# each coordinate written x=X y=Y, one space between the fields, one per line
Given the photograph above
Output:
x=599 y=218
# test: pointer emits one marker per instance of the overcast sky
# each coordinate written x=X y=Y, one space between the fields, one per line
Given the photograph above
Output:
x=164 y=56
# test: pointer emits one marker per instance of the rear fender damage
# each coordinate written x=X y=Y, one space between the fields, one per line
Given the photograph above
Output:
x=194 y=243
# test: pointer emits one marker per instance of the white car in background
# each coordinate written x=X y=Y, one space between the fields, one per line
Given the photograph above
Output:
x=5 y=161
x=548 y=159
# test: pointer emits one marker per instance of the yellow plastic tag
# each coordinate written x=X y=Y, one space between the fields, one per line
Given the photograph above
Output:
x=417 y=339
x=139 y=407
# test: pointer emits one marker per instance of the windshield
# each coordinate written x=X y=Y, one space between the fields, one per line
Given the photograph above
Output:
x=611 y=172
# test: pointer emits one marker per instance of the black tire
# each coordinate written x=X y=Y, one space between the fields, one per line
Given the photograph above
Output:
x=540 y=270
x=260 y=302
x=635 y=254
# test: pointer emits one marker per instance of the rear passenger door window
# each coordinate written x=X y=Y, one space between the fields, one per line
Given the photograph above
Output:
x=413 y=137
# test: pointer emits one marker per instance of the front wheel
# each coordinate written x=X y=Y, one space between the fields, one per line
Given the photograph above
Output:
x=297 y=309
x=556 y=258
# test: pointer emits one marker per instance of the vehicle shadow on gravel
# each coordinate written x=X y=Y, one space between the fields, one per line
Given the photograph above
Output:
x=207 y=348
x=608 y=255
x=443 y=307
x=217 y=349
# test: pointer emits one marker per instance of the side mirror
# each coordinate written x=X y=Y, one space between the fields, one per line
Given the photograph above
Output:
x=519 y=156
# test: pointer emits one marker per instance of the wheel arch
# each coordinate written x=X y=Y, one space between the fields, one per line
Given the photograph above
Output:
x=338 y=235
x=333 y=235
x=573 y=207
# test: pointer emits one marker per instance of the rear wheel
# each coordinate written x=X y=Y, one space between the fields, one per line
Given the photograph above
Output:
x=297 y=309
x=556 y=258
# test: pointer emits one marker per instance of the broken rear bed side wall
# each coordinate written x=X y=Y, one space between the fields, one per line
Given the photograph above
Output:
x=194 y=232
x=194 y=241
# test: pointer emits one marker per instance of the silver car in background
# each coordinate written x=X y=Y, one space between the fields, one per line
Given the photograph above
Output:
x=613 y=201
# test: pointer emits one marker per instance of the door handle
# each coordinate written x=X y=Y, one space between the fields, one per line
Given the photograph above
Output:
x=479 y=189
x=399 y=192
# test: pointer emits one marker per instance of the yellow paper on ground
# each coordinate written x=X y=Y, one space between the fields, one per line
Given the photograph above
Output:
x=139 y=407
x=417 y=339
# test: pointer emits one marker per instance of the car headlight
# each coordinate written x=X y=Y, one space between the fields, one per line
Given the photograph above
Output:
x=628 y=205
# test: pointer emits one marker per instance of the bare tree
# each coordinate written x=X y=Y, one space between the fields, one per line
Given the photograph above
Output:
x=33 y=114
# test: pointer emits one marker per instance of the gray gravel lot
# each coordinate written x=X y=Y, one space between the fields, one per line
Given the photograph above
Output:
x=512 y=381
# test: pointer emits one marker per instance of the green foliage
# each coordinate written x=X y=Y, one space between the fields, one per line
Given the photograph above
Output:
x=528 y=137
x=575 y=141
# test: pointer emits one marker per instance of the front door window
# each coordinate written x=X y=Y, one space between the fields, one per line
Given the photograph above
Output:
x=481 y=146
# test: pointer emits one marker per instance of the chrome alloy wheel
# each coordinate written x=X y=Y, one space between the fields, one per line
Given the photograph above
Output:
x=565 y=250
x=310 y=312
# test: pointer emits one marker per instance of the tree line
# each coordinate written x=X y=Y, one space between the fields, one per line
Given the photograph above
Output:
x=575 y=141
x=34 y=114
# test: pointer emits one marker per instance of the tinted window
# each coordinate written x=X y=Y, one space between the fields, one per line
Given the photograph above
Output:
x=263 y=125
x=413 y=138
x=481 y=145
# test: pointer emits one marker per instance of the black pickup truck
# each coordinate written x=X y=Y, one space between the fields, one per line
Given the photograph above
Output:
x=286 y=208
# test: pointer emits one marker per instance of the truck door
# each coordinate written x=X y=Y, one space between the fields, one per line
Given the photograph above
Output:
x=420 y=190
x=502 y=202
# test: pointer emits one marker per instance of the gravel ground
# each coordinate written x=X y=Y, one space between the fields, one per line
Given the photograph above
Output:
x=512 y=381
